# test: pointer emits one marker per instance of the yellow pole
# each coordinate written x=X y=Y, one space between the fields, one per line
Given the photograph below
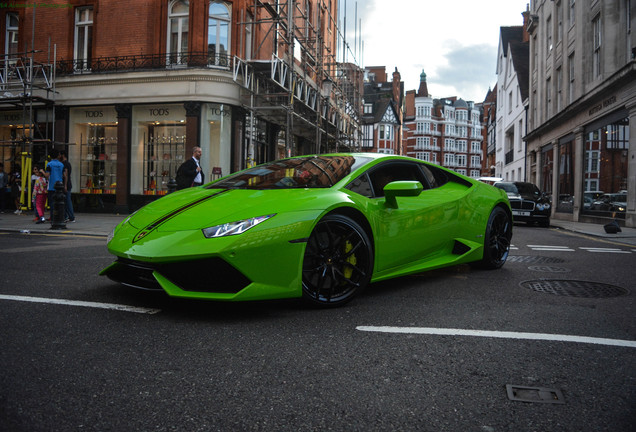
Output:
x=26 y=181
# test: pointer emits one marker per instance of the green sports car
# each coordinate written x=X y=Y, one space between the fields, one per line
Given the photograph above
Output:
x=321 y=227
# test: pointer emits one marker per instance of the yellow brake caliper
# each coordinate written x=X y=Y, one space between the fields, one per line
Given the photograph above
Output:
x=348 y=270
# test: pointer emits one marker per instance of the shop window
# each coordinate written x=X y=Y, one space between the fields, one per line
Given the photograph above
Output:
x=83 y=50
x=218 y=34
x=566 y=177
x=547 y=169
x=164 y=151
x=178 y=13
x=605 y=170
x=98 y=158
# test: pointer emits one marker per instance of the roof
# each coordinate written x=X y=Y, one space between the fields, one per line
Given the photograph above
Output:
x=520 y=52
x=510 y=34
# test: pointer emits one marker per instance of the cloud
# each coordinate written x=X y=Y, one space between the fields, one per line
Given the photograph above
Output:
x=466 y=69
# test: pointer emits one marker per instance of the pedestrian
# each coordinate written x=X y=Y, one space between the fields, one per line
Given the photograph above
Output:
x=190 y=172
x=4 y=182
x=40 y=188
x=34 y=178
x=54 y=173
x=15 y=181
x=70 y=214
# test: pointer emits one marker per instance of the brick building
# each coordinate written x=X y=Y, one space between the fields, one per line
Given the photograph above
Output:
x=382 y=111
x=445 y=131
x=128 y=87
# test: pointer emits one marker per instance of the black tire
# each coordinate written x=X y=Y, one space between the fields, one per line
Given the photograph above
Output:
x=338 y=262
x=497 y=240
x=545 y=223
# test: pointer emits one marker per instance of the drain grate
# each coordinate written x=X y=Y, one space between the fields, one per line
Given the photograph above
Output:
x=534 y=259
x=549 y=269
x=574 y=288
x=534 y=394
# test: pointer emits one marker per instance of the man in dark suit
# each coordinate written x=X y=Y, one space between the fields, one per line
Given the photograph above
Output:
x=190 y=173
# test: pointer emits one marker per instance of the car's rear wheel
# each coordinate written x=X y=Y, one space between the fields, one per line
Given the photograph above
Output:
x=338 y=261
x=497 y=239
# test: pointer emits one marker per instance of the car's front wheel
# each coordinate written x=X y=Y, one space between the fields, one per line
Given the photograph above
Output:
x=338 y=261
x=497 y=239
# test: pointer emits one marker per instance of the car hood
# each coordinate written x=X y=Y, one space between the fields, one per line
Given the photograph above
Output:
x=198 y=208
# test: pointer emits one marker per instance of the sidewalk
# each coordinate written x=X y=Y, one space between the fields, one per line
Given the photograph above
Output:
x=101 y=225
x=92 y=224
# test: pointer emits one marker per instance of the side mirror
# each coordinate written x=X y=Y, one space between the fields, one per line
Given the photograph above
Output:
x=401 y=189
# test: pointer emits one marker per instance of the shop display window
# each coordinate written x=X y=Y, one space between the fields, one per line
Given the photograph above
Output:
x=164 y=152
x=98 y=159
x=605 y=170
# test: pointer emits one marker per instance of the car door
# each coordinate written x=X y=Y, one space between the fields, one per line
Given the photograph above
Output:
x=419 y=227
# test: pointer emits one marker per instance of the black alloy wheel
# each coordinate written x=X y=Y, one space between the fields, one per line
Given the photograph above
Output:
x=338 y=261
x=497 y=239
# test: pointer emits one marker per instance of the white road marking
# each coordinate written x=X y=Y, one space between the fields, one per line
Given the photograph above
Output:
x=499 y=334
x=551 y=248
x=606 y=250
x=111 y=306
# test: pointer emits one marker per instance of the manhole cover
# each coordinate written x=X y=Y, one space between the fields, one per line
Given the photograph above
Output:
x=533 y=259
x=573 y=288
x=549 y=269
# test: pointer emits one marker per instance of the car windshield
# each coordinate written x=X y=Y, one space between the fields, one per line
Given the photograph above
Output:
x=301 y=172
x=519 y=188
x=508 y=187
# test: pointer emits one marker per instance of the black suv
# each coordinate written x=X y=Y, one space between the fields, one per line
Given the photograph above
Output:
x=528 y=203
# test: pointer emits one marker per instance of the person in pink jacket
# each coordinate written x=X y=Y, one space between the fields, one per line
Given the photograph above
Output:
x=40 y=187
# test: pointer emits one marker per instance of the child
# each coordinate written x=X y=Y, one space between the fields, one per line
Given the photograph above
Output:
x=40 y=188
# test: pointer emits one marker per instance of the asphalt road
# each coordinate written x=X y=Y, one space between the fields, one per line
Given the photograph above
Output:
x=73 y=358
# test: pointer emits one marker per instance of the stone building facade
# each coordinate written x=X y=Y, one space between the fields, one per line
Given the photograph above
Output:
x=582 y=109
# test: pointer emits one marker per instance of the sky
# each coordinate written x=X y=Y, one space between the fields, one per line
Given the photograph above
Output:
x=454 y=41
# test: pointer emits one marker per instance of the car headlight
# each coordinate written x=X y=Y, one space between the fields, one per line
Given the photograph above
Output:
x=542 y=207
x=234 y=228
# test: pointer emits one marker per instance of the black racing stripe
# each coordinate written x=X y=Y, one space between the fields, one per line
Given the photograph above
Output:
x=154 y=225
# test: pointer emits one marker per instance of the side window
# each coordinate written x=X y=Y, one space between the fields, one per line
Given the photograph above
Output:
x=439 y=176
x=390 y=172
x=362 y=186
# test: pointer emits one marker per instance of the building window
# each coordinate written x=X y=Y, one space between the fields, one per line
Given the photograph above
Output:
x=178 y=12
x=559 y=33
x=11 y=35
x=83 y=50
x=559 y=81
x=548 y=29
x=572 y=16
x=475 y=162
x=548 y=98
x=570 y=78
x=368 y=108
x=218 y=34
x=596 y=28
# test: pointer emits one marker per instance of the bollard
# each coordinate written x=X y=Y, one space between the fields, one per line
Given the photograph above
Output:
x=59 y=207
x=172 y=185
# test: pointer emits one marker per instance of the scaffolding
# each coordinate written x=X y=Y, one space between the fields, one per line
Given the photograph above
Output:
x=27 y=87
x=302 y=88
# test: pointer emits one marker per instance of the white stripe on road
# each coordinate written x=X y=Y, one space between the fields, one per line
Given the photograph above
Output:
x=111 y=306
x=499 y=334
x=551 y=248
x=607 y=250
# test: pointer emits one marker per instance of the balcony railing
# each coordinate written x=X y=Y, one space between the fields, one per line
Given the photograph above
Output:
x=510 y=157
x=144 y=62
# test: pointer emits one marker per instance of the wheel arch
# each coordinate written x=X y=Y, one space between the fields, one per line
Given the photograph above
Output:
x=358 y=217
